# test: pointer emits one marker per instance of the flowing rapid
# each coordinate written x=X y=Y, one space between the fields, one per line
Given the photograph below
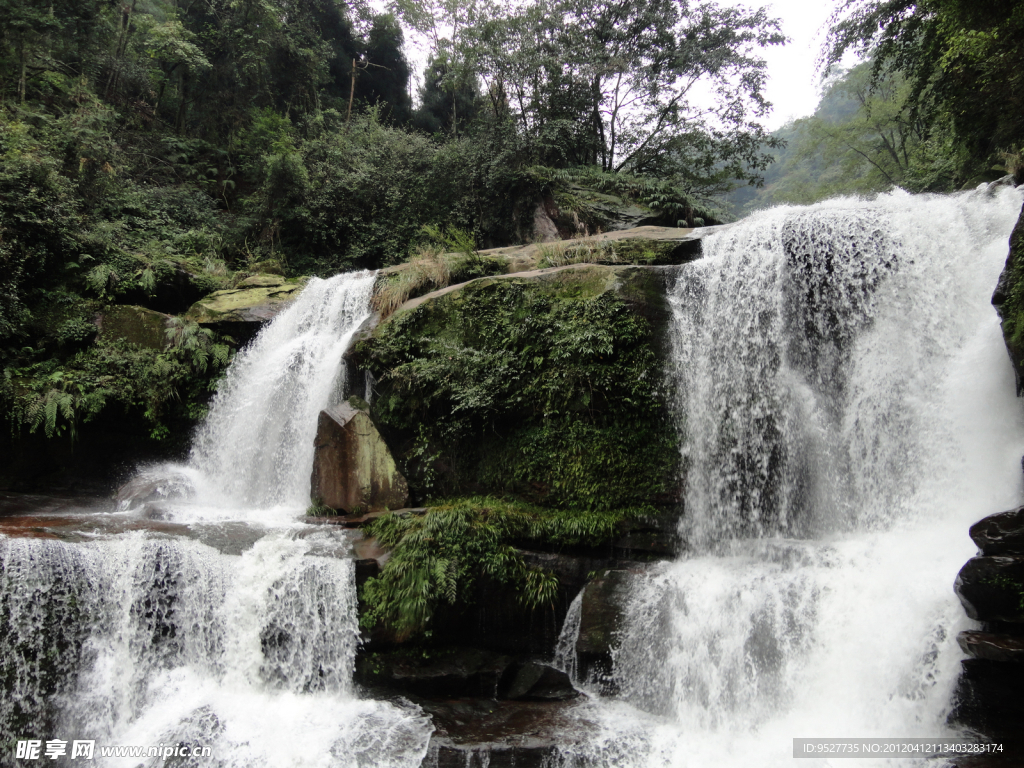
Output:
x=846 y=412
x=213 y=617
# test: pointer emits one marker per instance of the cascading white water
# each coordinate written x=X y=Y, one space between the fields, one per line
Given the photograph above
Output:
x=255 y=447
x=136 y=641
x=142 y=639
x=847 y=411
x=252 y=456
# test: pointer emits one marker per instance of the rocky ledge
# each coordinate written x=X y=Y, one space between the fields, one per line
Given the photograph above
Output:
x=241 y=311
x=991 y=588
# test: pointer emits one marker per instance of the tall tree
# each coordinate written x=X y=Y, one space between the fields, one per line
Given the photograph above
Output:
x=385 y=76
x=447 y=103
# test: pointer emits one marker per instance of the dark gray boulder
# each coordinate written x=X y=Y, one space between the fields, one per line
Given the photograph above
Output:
x=1000 y=534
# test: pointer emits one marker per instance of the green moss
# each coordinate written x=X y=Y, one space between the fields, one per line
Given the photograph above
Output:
x=1012 y=308
x=547 y=388
x=225 y=305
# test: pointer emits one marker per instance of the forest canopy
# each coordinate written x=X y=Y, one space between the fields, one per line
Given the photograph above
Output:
x=154 y=150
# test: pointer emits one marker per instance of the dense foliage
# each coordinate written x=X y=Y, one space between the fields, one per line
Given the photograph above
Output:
x=960 y=60
x=551 y=391
x=439 y=556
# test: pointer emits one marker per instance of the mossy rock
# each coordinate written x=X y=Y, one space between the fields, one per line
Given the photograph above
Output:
x=546 y=385
x=257 y=299
x=136 y=325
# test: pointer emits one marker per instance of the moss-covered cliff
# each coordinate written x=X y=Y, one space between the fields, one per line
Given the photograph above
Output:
x=1009 y=301
x=547 y=386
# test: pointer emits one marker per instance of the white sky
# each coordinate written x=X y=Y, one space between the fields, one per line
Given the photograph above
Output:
x=793 y=81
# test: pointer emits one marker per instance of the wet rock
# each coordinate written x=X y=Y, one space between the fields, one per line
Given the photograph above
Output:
x=535 y=681
x=988 y=700
x=500 y=734
x=601 y=620
x=992 y=646
x=434 y=673
x=992 y=588
x=353 y=469
x=136 y=325
x=1001 y=534
x=151 y=486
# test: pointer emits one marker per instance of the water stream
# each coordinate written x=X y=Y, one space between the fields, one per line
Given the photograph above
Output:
x=847 y=411
x=205 y=612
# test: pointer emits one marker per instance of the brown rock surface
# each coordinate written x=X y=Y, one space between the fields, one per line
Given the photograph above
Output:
x=353 y=469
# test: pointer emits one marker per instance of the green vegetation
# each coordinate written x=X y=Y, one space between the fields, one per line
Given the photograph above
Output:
x=1009 y=298
x=862 y=139
x=549 y=389
x=438 y=556
x=960 y=58
x=156 y=151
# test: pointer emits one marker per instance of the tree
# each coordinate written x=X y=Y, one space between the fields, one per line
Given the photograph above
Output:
x=447 y=104
x=960 y=57
x=385 y=80
x=662 y=87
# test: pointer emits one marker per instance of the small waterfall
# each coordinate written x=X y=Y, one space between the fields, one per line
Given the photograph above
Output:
x=565 y=649
x=846 y=412
x=140 y=641
x=253 y=454
x=256 y=445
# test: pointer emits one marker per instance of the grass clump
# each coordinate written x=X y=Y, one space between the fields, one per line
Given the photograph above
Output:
x=317 y=508
x=449 y=256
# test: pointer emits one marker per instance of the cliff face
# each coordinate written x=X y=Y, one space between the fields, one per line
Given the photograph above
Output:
x=1008 y=300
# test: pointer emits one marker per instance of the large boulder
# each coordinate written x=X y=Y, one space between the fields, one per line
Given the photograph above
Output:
x=992 y=588
x=353 y=469
x=1000 y=534
x=241 y=311
x=136 y=325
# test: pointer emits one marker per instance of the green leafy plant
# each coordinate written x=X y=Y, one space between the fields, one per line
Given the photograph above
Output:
x=550 y=391
x=439 y=556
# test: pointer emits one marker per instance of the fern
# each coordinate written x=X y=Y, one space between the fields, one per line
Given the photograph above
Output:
x=438 y=555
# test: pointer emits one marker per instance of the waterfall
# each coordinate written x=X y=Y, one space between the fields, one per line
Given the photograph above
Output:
x=565 y=648
x=242 y=642
x=253 y=454
x=143 y=641
x=846 y=411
